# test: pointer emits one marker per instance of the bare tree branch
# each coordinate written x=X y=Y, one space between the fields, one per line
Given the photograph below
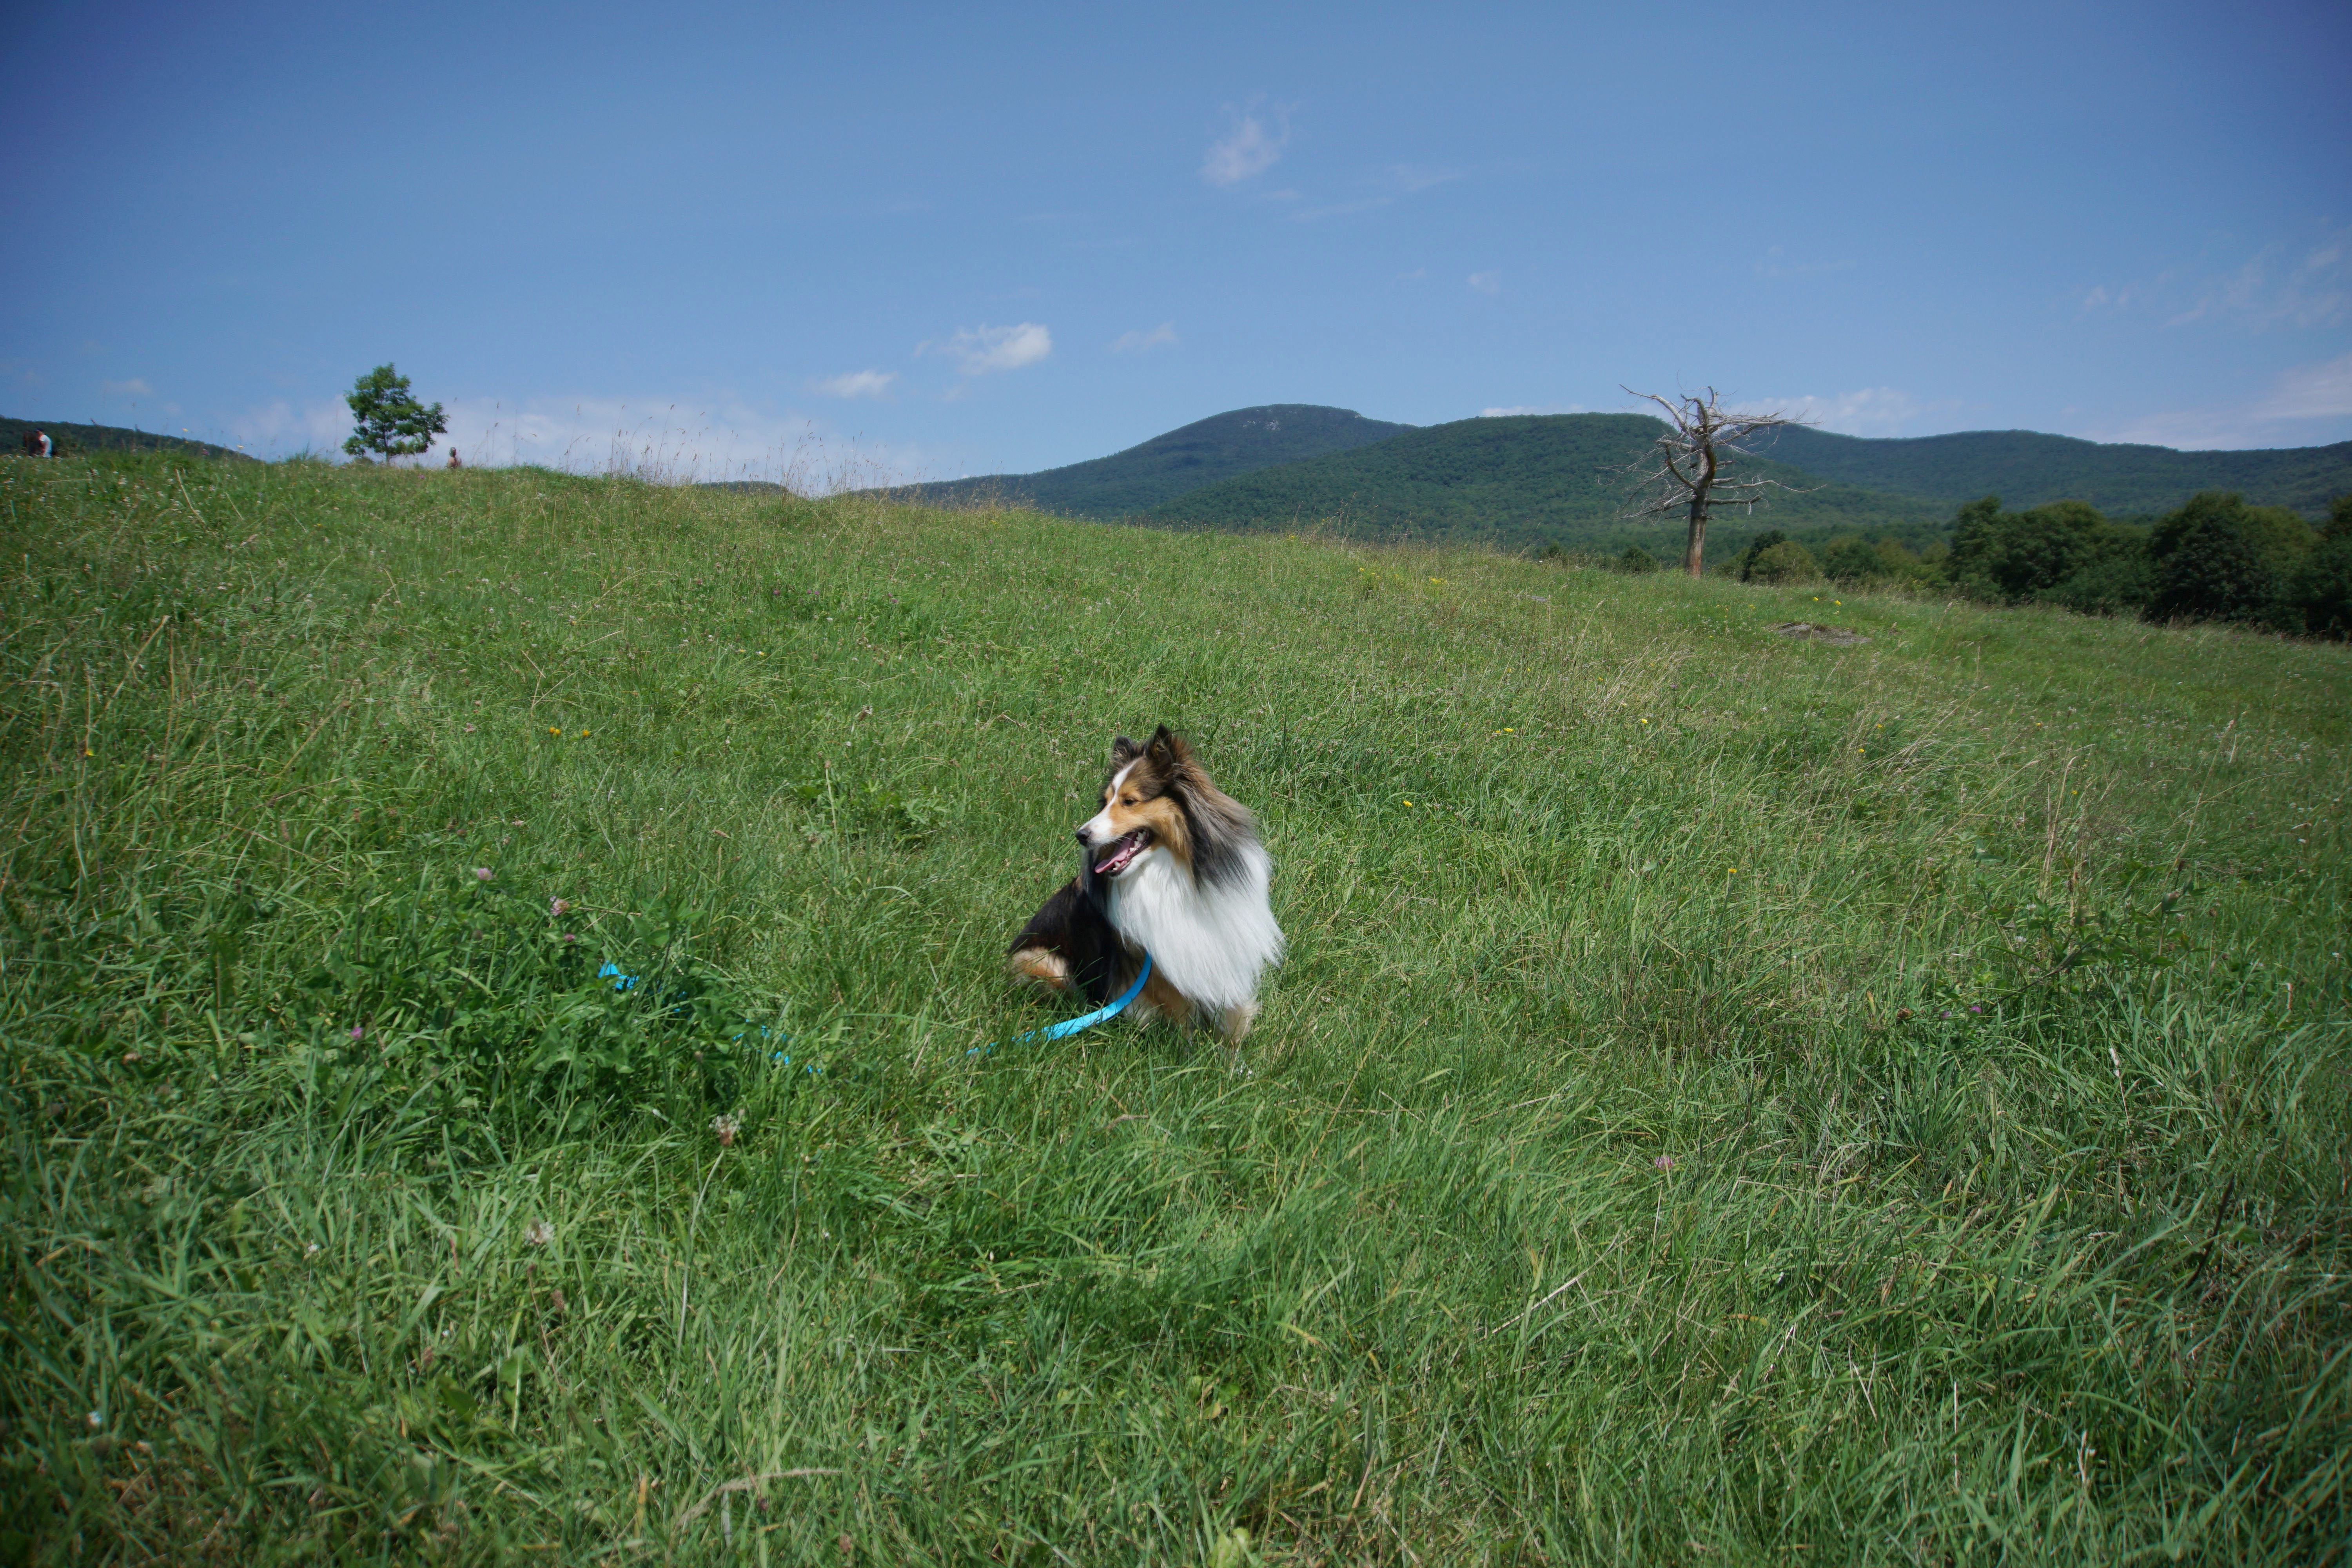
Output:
x=1704 y=439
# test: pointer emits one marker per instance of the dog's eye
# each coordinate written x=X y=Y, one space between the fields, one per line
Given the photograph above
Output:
x=1128 y=801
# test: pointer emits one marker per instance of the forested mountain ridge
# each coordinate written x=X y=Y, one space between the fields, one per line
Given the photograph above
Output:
x=2026 y=467
x=1517 y=481
x=1528 y=480
x=1156 y=472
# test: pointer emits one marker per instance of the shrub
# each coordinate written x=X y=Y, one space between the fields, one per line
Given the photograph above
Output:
x=1900 y=561
x=1756 y=547
x=2012 y=557
x=1636 y=561
x=2213 y=573
x=2218 y=559
x=1578 y=558
x=1852 y=559
x=2321 y=589
x=1787 y=562
x=1973 y=528
x=2115 y=581
x=2278 y=537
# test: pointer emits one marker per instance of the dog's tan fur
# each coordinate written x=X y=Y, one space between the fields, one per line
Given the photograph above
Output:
x=1157 y=794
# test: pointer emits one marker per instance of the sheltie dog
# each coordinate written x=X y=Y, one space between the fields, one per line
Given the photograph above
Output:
x=1171 y=866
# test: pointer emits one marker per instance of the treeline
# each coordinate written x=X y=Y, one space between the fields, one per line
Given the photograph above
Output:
x=2214 y=559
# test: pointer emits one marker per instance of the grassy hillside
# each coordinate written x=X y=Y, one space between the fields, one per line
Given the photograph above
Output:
x=2026 y=469
x=1516 y=481
x=1169 y=466
x=1731 y=1100
x=106 y=438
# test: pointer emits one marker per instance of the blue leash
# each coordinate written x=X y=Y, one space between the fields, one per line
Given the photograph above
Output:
x=1051 y=1032
x=629 y=982
x=1059 y=1031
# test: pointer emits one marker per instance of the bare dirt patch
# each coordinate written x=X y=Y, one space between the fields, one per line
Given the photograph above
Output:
x=1812 y=632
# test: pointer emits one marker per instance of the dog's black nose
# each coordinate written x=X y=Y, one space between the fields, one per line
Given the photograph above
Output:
x=1081 y=834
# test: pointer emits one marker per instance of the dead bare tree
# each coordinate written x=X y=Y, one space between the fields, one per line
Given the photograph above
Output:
x=1685 y=473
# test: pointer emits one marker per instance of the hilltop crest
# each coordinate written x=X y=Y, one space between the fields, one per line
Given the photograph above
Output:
x=1221 y=447
x=72 y=438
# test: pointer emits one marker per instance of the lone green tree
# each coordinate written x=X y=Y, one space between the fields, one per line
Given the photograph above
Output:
x=391 y=422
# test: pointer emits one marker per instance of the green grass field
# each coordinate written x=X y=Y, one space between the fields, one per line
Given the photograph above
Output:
x=1731 y=1100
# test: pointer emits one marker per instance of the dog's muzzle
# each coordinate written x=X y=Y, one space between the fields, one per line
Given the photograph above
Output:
x=1120 y=852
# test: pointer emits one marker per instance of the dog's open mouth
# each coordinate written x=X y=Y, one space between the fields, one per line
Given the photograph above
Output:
x=1122 y=852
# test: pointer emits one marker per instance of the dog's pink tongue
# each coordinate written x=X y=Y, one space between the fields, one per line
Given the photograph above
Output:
x=1122 y=851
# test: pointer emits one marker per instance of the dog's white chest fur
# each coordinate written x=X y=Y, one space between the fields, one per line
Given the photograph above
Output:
x=1211 y=942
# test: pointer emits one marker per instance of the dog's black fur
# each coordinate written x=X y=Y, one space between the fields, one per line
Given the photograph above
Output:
x=1075 y=923
x=1204 y=868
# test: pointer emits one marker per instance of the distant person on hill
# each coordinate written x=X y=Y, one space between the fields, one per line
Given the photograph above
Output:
x=453 y=458
x=37 y=445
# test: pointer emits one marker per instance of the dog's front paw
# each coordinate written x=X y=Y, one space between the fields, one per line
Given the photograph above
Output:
x=1042 y=965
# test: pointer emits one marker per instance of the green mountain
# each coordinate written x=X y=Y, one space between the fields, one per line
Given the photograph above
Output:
x=2025 y=469
x=1169 y=466
x=1519 y=481
x=72 y=439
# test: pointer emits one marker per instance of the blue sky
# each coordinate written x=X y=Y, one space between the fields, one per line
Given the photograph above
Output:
x=854 y=242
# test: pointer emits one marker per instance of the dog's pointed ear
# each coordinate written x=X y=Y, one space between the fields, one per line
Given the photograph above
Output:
x=1168 y=749
x=1123 y=752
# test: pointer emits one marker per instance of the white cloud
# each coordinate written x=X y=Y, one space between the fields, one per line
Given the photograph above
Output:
x=1872 y=411
x=1161 y=336
x=980 y=349
x=1411 y=178
x=1486 y=283
x=279 y=428
x=657 y=439
x=2311 y=391
x=2099 y=297
x=2277 y=287
x=1247 y=148
x=2301 y=285
x=666 y=440
x=858 y=384
x=135 y=387
x=1339 y=209
x=671 y=441
x=2297 y=397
